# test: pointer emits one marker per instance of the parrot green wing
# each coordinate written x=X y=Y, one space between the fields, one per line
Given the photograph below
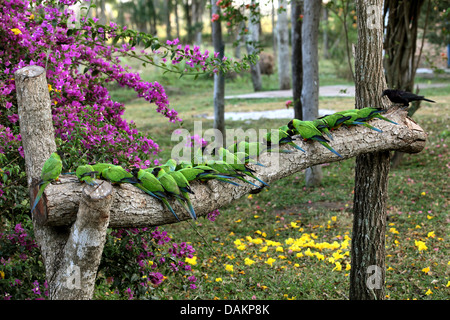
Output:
x=51 y=170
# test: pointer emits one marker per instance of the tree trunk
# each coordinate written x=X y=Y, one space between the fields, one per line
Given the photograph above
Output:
x=168 y=11
x=400 y=60
x=326 y=55
x=297 y=69
x=70 y=256
x=371 y=173
x=310 y=83
x=252 y=40
x=219 y=77
x=284 y=79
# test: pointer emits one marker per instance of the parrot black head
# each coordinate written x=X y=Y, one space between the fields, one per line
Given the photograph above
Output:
x=291 y=124
x=156 y=170
x=134 y=171
x=387 y=92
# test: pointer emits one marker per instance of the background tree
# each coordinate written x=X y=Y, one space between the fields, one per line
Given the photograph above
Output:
x=297 y=70
x=310 y=83
x=253 y=43
x=401 y=59
x=219 y=77
x=371 y=173
x=284 y=76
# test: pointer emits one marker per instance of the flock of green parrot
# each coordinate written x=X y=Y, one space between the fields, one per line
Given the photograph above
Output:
x=230 y=165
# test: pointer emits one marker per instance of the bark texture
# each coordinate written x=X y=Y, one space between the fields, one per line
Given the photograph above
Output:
x=133 y=208
x=219 y=78
x=252 y=41
x=284 y=79
x=310 y=83
x=297 y=69
x=64 y=250
x=371 y=173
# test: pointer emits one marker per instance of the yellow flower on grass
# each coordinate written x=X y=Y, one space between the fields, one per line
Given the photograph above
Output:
x=248 y=261
x=241 y=247
x=423 y=193
x=448 y=284
x=16 y=31
x=431 y=234
x=49 y=87
x=348 y=267
x=429 y=292
x=426 y=270
x=333 y=218
x=2 y=275
x=294 y=225
x=393 y=230
x=218 y=279
x=31 y=17
x=229 y=267
x=279 y=249
x=420 y=245
x=338 y=266
x=270 y=261
x=263 y=249
x=192 y=260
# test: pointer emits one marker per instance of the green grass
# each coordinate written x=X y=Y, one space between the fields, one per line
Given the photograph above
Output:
x=265 y=226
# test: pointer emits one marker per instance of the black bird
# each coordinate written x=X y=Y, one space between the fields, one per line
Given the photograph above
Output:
x=403 y=97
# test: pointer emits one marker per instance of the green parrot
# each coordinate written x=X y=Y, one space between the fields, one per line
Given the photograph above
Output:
x=369 y=113
x=148 y=183
x=168 y=182
x=308 y=131
x=50 y=171
x=170 y=165
x=116 y=174
x=99 y=167
x=229 y=169
x=283 y=138
x=185 y=189
x=323 y=127
x=334 y=120
x=354 y=121
x=204 y=173
x=86 y=174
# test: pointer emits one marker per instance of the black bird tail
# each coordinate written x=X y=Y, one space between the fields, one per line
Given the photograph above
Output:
x=428 y=100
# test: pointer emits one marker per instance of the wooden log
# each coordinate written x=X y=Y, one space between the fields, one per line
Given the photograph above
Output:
x=133 y=208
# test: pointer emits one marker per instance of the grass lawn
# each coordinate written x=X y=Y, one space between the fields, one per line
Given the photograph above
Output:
x=292 y=242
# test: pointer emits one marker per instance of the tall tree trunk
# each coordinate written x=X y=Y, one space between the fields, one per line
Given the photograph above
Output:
x=297 y=69
x=400 y=60
x=168 y=11
x=71 y=256
x=372 y=169
x=274 y=32
x=284 y=79
x=326 y=55
x=198 y=7
x=219 y=78
x=310 y=83
x=252 y=40
x=177 y=21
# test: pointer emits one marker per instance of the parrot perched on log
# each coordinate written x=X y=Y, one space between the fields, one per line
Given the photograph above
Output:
x=86 y=174
x=283 y=138
x=185 y=188
x=308 y=131
x=50 y=171
x=323 y=127
x=334 y=120
x=369 y=113
x=353 y=120
x=99 y=167
x=148 y=183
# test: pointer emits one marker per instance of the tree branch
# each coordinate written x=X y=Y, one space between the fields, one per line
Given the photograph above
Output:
x=133 y=208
